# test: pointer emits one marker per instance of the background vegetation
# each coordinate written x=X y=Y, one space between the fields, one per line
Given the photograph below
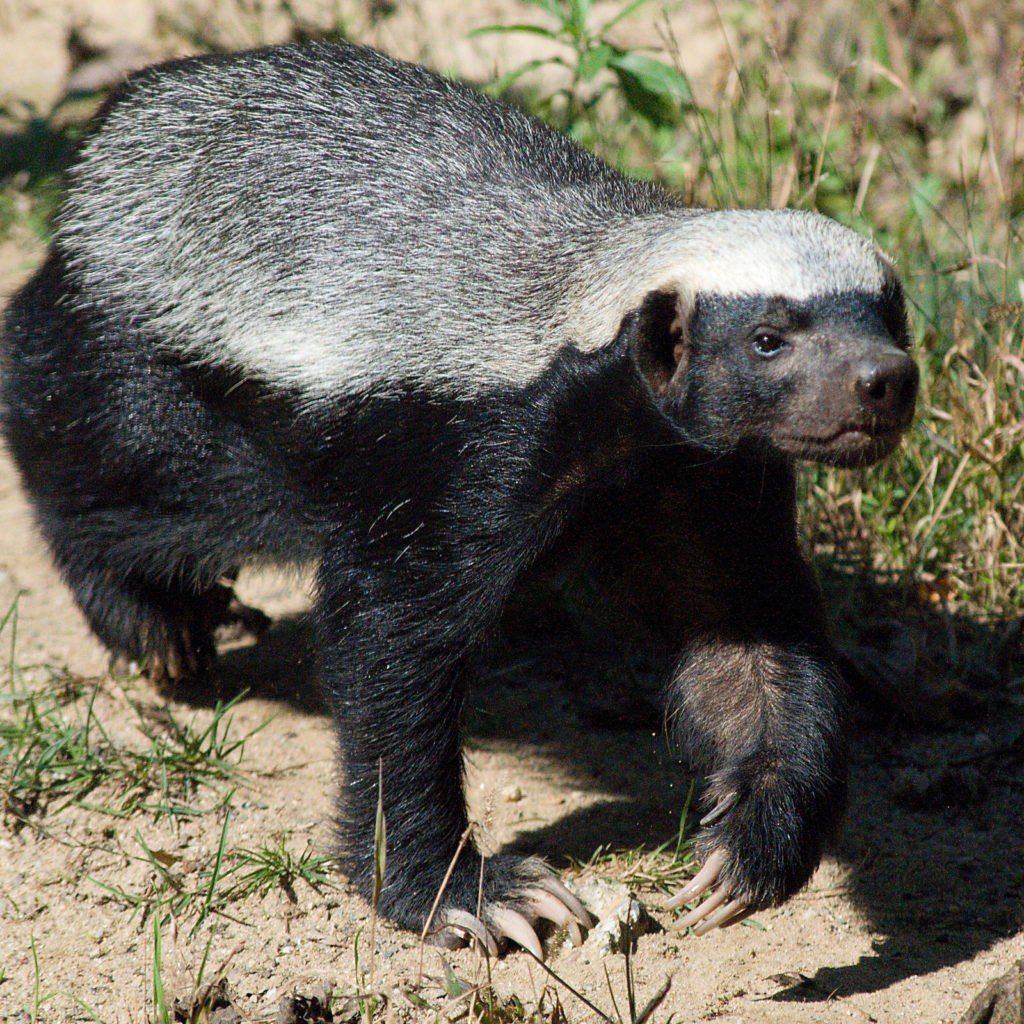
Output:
x=900 y=118
x=903 y=120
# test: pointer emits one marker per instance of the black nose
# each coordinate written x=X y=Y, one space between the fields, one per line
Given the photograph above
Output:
x=886 y=384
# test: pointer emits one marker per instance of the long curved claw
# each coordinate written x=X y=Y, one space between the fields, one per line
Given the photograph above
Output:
x=188 y=654
x=704 y=879
x=512 y=925
x=463 y=921
x=556 y=887
x=540 y=896
x=721 y=916
x=171 y=663
x=544 y=905
x=712 y=903
x=720 y=809
x=738 y=918
x=163 y=671
x=547 y=906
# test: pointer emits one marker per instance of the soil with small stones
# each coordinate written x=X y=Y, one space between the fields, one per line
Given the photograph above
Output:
x=916 y=909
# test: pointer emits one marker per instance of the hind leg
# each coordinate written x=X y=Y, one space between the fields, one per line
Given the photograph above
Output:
x=147 y=488
x=166 y=624
x=152 y=569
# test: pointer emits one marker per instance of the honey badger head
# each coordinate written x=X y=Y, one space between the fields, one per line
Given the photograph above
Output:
x=780 y=330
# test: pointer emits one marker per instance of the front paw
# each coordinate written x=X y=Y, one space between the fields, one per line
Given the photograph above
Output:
x=760 y=843
x=523 y=899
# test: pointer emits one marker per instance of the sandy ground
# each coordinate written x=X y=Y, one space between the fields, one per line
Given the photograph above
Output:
x=912 y=913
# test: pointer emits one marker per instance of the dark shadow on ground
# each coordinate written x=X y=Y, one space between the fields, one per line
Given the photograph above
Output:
x=281 y=667
x=934 y=833
x=935 y=829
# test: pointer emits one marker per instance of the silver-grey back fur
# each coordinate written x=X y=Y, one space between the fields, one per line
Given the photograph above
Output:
x=328 y=219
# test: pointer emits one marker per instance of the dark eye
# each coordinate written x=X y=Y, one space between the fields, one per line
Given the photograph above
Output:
x=767 y=344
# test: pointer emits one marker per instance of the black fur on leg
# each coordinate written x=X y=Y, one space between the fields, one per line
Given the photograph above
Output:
x=704 y=556
x=407 y=598
x=147 y=491
x=397 y=642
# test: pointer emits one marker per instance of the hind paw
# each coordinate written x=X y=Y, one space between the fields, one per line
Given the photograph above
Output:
x=166 y=655
x=237 y=621
x=172 y=638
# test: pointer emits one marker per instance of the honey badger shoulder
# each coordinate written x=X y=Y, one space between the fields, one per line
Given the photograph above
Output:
x=313 y=302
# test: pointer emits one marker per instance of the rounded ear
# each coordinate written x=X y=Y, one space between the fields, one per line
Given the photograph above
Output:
x=660 y=340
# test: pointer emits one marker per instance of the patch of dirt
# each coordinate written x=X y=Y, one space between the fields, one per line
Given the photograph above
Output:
x=917 y=908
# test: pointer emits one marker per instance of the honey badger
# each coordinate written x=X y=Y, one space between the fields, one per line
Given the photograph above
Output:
x=309 y=302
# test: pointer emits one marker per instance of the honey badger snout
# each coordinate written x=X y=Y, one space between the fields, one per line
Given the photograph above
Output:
x=851 y=403
x=885 y=384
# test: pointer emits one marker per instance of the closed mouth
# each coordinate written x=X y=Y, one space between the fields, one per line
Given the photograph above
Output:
x=851 y=433
x=850 y=444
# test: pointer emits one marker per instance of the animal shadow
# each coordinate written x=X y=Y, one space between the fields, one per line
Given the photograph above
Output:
x=932 y=837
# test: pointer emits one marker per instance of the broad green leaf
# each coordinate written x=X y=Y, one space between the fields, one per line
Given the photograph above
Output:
x=652 y=88
x=656 y=75
x=595 y=61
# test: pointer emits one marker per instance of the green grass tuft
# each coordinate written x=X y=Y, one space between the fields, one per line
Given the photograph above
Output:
x=273 y=866
x=56 y=752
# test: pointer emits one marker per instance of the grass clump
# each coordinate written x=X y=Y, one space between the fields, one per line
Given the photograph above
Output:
x=273 y=866
x=56 y=751
x=172 y=890
x=179 y=890
x=664 y=868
